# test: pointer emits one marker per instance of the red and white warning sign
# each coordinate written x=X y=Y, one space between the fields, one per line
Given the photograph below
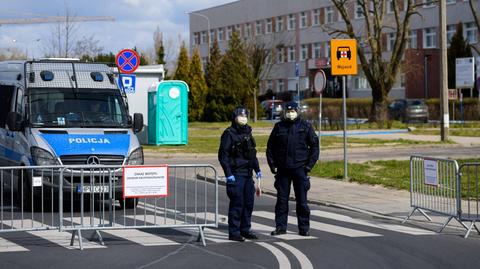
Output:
x=145 y=181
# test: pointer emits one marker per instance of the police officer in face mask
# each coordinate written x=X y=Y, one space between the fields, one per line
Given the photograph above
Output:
x=238 y=157
x=292 y=151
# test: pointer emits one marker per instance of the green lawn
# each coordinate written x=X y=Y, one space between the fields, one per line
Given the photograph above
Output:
x=205 y=138
x=393 y=173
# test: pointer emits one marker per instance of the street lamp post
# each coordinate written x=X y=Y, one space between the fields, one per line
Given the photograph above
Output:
x=208 y=30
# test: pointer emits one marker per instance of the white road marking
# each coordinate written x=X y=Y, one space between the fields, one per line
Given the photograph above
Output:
x=59 y=238
x=322 y=226
x=259 y=228
x=302 y=259
x=8 y=246
x=134 y=235
x=210 y=234
x=282 y=259
x=390 y=227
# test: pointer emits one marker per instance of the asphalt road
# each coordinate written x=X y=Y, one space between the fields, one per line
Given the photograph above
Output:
x=339 y=239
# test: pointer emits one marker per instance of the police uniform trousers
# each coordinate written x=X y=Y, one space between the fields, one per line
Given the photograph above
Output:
x=301 y=184
x=241 y=193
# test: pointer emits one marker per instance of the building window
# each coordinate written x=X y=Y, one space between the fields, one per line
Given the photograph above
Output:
x=316 y=50
x=269 y=26
x=220 y=34
x=361 y=82
x=470 y=32
x=329 y=14
x=237 y=30
x=279 y=27
x=304 y=52
x=280 y=85
x=429 y=38
x=248 y=30
x=229 y=32
x=412 y=39
x=303 y=19
x=204 y=37
x=316 y=17
x=428 y=3
x=327 y=49
x=258 y=28
x=291 y=22
x=390 y=41
x=390 y=7
x=451 y=29
x=280 y=56
x=291 y=54
x=269 y=84
x=358 y=11
x=212 y=36
x=196 y=36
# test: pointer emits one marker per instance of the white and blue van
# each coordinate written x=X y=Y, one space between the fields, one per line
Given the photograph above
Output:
x=61 y=113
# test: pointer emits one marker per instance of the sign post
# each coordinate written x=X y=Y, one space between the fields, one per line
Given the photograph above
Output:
x=344 y=62
x=319 y=83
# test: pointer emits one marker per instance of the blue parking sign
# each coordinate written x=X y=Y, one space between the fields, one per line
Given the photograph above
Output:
x=127 y=83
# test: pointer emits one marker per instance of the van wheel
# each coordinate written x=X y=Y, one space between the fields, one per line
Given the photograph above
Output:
x=130 y=203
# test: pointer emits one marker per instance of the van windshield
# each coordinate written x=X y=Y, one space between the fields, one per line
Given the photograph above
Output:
x=77 y=108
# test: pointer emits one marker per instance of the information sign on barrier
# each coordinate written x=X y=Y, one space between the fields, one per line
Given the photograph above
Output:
x=431 y=172
x=145 y=181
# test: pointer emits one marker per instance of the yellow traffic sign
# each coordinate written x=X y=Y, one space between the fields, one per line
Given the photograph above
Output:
x=343 y=56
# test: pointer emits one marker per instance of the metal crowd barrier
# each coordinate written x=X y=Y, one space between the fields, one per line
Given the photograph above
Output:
x=89 y=198
x=469 y=196
x=27 y=204
x=440 y=186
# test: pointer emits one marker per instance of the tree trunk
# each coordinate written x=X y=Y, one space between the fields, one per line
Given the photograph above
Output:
x=379 y=109
x=254 y=104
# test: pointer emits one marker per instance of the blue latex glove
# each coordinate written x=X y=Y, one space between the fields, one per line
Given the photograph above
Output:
x=259 y=175
x=231 y=179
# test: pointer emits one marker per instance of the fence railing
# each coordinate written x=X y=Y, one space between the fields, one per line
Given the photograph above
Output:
x=79 y=198
x=443 y=187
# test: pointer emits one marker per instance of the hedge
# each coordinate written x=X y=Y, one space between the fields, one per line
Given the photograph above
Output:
x=360 y=108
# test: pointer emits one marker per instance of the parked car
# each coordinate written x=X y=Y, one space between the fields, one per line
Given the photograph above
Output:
x=408 y=110
x=272 y=108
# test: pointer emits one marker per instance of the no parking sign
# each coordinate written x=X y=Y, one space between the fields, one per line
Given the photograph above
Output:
x=127 y=61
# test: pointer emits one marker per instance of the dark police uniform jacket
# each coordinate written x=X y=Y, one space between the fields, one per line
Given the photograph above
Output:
x=233 y=155
x=292 y=145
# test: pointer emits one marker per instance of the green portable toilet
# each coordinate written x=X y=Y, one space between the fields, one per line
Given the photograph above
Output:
x=168 y=113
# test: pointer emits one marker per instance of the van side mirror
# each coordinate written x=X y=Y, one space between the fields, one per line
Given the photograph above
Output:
x=137 y=122
x=14 y=121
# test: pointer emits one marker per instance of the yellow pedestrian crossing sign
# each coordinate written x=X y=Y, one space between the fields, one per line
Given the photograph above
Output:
x=343 y=56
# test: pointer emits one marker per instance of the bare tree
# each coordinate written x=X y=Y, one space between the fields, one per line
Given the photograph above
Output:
x=261 y=62
x=380 y=70
x=63 y=36
x=87 y=46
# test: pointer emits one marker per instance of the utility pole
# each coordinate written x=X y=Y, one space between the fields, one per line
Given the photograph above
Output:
x=443 y=70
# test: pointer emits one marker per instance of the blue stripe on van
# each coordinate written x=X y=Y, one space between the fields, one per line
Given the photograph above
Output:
x=10 y=154
x=71 y=144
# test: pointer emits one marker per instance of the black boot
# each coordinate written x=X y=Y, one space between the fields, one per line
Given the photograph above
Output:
x=237 y=238
x=278 y=232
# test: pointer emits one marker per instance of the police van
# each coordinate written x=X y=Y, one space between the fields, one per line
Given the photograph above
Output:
x=64 y=113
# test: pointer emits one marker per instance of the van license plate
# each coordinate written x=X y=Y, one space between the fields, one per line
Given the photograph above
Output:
x=96 y=189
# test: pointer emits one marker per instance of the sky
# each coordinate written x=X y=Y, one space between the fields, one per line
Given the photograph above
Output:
x=134 y=25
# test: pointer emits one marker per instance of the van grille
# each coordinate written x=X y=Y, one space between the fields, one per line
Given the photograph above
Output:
x=82 y=159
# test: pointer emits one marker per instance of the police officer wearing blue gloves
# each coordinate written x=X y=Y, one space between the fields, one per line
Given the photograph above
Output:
x=238 y=157
x=292 y=151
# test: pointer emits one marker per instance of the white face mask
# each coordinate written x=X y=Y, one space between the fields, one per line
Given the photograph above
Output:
x=241 y=120
x=291 y=115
